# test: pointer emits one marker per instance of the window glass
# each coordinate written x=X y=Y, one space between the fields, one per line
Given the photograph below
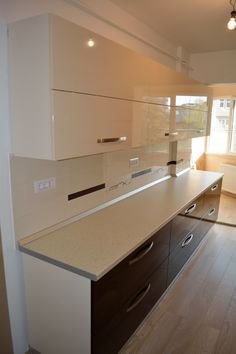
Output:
x=221 y=103
x=218 y=141
x=195 y=102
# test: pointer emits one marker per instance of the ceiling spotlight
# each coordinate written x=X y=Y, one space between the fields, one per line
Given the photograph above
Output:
x=232 y=21
x=91 y=42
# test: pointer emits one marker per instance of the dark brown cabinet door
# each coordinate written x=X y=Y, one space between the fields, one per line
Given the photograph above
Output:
x=112 y=291
x=188 y=230
x=111 y=337
x=211 y=201
x=184 y=250
x=186 y=221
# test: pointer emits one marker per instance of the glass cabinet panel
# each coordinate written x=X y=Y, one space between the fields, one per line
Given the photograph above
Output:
x=191 y=115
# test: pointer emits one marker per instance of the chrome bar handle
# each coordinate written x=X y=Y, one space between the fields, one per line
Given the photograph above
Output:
x=187 y=241
x=171 y=134
x=213 y=188
x=141 y=254
x=190 y=209
x=119 y=139
x=141 y=295
x=212 y=211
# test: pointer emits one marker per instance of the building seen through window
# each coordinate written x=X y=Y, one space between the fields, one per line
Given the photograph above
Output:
x=223 y=126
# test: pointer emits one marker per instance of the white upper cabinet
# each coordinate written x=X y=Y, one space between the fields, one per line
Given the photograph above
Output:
x=69 y=99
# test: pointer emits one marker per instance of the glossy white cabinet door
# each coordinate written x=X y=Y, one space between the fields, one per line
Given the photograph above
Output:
x=80 y=121
x=107 y=68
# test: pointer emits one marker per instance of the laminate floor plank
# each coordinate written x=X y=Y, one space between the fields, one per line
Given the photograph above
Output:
x=197 y=314
x=227 y=210
x=155 y=340
x=218 y=308
x=204 y=341
x=227 y=338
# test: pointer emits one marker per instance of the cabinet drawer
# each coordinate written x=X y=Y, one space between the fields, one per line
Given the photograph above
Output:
x=186 y=221
x=184 y=250
x=114 y=334
x=211 y=201
x=113 y=290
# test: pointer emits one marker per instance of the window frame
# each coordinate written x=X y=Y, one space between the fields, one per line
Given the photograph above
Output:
x=232 y=108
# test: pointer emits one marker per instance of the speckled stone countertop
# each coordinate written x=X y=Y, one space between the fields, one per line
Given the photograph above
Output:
x=95 y=244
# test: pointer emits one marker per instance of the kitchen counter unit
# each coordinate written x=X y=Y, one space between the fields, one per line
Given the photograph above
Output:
x=95 y=244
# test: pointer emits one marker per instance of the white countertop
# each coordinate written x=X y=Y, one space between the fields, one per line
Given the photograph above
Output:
x=95 y=244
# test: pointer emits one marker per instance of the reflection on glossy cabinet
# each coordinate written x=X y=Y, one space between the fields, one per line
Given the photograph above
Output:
x=191 y=123
x=150 y=124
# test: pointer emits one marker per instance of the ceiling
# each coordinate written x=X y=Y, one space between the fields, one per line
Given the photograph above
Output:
x=197 y=25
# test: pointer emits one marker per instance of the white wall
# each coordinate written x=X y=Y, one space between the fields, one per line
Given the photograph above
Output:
x=12 y=258
x=106 y=19
x=214 y=67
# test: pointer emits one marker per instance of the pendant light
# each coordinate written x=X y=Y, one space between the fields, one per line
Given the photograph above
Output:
x=232 y=21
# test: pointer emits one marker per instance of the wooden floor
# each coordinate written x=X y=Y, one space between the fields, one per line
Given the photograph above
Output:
x=227 y=211
x=198 y=313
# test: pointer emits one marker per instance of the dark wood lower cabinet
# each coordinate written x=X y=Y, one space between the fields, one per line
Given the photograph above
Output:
x=113 y=290
x=124 y=296
x=188 y=230
x=112 y=336
x=185 y=249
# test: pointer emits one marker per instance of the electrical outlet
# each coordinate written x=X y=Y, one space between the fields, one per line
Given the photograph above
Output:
x=44 y=184
x=134 y=161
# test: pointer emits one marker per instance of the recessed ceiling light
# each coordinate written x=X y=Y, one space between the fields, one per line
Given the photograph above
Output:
x=91 y=43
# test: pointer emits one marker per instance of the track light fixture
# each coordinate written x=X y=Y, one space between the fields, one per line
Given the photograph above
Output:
x=232 y=21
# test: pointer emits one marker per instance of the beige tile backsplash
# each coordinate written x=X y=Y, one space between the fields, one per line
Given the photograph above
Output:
x=36 y=211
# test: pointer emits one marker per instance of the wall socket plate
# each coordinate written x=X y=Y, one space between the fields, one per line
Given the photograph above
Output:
x=44 y=184
x=134 y=161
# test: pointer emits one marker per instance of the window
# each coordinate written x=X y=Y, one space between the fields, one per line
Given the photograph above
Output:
x=223 y=126
x=221 y=103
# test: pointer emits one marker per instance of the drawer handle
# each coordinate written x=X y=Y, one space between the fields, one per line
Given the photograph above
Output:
x=171 y=134
x=190 y=209
x=187 y=241
x=140 y=296
x=212 y=211
x=141 y=254
x=213 y=188
x=119 y=139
